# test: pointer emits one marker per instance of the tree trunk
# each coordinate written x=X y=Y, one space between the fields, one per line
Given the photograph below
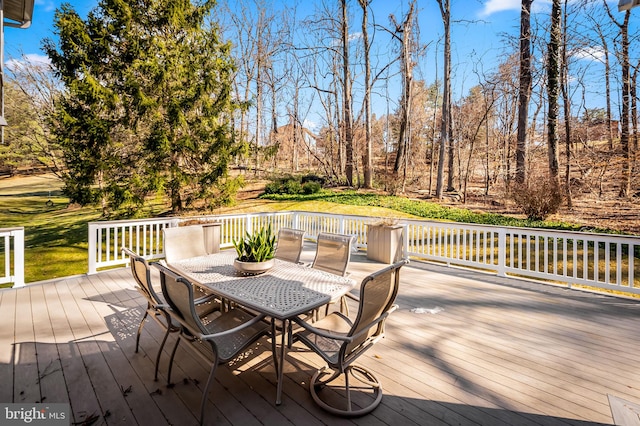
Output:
x=607 y=81
x=445 y=123
x=553 y=84
x=368 y=156
x=273 y=135
x=432 y=147
x=347 y=98
x=259 y=104
x=567 y=118
x=524 y=90
x=625 y=184
x=634 y=113
x=407 y=83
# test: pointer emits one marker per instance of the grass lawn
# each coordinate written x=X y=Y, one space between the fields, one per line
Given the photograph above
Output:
x=56 y=233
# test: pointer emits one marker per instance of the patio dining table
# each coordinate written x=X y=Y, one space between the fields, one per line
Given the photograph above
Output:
x=284 y=292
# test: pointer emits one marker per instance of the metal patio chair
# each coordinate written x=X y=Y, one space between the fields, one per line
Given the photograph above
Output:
x=183 y=242
x=341 y=341
x=289 y=246
x=333 y=254
x=218 y=338
x=156 y=304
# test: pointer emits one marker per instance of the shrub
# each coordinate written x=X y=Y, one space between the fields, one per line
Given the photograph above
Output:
x=272 y=188
x=312 y=178
x=291 y=185
x=285 y=185
x=538 y=198
x=311 y=187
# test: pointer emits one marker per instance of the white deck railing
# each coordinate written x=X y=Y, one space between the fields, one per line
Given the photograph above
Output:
x=12 y=256
x=599 y=261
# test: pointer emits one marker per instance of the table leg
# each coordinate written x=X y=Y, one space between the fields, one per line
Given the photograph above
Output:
x=280 y=366
x=274 y=351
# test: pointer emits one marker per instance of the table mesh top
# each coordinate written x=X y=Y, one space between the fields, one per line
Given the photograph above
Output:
x=288 y=289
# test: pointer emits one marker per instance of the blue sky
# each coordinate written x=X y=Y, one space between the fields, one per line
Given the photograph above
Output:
x=497 y=16
x=477 y=33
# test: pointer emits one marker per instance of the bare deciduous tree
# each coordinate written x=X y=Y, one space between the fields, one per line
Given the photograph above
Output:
x=445 y=124
x=524 y=90
x=407 y=64
x=625 y=184
x=368 y=157
x=553 y=88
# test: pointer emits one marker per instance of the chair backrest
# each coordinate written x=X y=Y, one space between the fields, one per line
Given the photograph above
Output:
x=142 y=275
x=178 y=292
x=378 y=293
x=333 y=253
x=289 y=245
x=183 y=242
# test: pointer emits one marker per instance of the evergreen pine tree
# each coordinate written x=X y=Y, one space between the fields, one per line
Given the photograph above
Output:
x=148 y=104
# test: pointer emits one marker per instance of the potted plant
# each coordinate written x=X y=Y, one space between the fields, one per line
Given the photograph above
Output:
x=384 y=240
x=255 y=252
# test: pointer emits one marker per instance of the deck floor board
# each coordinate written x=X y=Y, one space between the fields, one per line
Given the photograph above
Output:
x=484 y=350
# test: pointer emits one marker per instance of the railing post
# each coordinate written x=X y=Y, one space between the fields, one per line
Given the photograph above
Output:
x=632 y=256
x=18 y=258
x=93 y=248
x=502 y=253
x=295 y=220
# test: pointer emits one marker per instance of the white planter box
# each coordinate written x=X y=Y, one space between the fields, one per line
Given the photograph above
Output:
x=384 y=243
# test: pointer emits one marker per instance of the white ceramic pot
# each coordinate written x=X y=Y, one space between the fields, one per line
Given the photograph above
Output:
x=253 y=268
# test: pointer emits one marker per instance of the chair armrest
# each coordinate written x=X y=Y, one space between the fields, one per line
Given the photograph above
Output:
x=320 y=332
x=365 y=328
x=199 y=335
x=348 y=339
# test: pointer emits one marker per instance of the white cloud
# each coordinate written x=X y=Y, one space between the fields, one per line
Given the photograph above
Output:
x=494 y=6
x=352 y=37
x=31 y=59
x=589 y=53
x=46 y=5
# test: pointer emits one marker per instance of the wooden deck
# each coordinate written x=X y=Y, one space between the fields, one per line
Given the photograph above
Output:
x=485 y=351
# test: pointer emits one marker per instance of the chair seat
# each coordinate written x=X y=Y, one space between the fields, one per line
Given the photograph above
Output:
x=337 y=324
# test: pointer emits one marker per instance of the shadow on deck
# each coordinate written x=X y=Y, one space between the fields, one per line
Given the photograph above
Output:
x=464 y=348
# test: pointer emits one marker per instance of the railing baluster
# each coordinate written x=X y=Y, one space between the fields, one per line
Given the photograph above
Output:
x=506 y=250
